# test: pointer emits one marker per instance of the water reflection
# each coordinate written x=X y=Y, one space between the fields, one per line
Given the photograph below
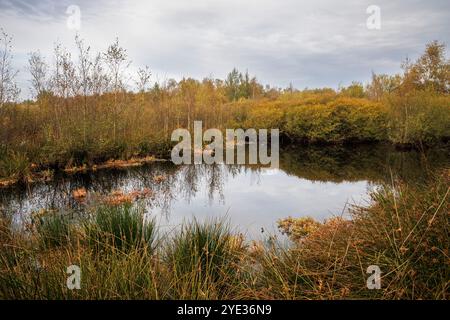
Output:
x=315 y=181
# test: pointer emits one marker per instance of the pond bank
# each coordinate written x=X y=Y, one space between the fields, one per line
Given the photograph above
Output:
x=32 y=173
x=37 y=175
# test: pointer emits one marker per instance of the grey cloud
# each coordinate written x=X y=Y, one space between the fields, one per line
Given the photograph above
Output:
x=311 y=44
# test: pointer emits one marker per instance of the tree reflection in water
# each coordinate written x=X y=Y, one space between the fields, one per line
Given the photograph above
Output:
x=316 y=181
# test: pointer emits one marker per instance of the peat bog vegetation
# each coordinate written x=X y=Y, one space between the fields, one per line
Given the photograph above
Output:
x=84 y=118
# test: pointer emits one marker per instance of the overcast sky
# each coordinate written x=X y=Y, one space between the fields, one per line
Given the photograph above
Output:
x=307 y=43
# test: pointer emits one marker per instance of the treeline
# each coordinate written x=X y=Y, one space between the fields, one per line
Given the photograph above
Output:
x=411 y=109
x=90 y=108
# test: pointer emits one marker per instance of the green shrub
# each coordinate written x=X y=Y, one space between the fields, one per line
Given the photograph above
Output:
x=419 y=117
x=341 y=120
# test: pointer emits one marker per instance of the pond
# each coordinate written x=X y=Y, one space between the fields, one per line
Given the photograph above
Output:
x=312 y=181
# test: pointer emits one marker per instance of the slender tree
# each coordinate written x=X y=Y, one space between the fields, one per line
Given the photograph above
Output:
x=8 y=87
x=84 y=71
x=38 y=69
x=143 y=79
x=116 y=59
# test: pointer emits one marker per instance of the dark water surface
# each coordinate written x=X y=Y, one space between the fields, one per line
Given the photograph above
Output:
x=315 y=181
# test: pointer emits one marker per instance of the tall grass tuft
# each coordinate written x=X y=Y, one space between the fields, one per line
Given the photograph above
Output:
x=202 y=260
x=123 y=227
x=53 y=228
x=14 y=165
x=406 y=232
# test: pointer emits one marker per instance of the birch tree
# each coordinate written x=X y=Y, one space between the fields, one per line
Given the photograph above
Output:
x=8 y=87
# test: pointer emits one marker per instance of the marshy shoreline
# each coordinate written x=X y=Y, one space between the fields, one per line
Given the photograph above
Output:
x=44 y=173
x=37 y=174
x=122 y=255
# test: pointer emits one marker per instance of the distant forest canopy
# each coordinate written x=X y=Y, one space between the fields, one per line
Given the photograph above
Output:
x=83 y=110
x=96 y=73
